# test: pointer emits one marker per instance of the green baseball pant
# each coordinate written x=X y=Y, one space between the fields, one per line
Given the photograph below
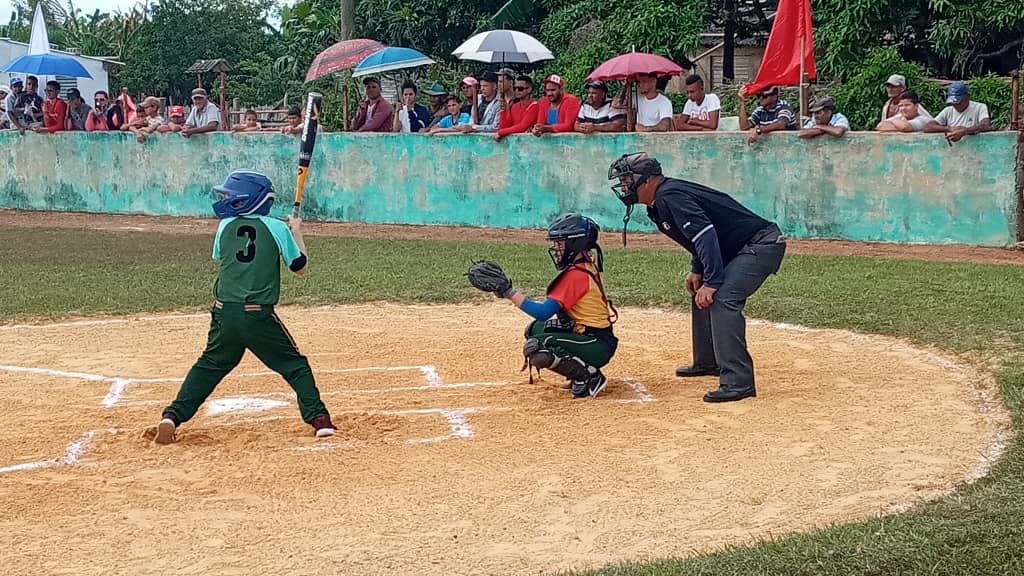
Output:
x=234 y=328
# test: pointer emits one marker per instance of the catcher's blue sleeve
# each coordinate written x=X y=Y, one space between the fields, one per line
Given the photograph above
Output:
x=541 y=310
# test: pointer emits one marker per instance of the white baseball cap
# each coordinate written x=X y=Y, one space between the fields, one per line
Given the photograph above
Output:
x=896 y=80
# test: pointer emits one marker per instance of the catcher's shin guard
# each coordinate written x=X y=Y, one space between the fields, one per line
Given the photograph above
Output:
x=571 y=367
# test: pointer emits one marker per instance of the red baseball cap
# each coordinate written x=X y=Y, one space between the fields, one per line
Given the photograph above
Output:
x=176 y=111
x=554 y=79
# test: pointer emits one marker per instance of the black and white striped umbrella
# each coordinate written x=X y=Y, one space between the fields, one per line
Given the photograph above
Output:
x=503 y=46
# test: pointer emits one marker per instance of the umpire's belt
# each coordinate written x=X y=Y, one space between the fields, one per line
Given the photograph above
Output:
x=246 y=307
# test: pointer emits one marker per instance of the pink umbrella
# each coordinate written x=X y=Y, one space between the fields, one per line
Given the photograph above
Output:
x=341 y=56
x=629 y=66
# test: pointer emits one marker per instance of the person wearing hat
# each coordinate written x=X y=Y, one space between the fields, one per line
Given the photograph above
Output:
x=176 y=122
x=11 y=104
x=597 y=114
x=375 y=112
x=825 y=120
x=78 y=110
x=894 y=87
x=962 y=117
x=771 y=115
x=490 y=105
x=149 y=122
x=471 y=91
x=521 y=114
x=557 y=111
x=506 y=85
x=204 y=117
x=437 y=95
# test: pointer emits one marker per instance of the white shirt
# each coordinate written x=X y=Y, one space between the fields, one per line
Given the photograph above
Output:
x=969 y=118
x=200 y=119
x=650 y=112
x=703 y=110
x=919 y=122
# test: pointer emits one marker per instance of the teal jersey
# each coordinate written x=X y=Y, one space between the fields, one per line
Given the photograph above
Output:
x=249 y=248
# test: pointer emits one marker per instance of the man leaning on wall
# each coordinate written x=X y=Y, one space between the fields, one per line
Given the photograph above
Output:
x=962 y=117
x=204 y=117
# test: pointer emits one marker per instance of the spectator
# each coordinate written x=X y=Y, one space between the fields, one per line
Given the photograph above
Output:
x=412 y=117
x=4 y=91
x=557 y=111
x=150 y=122
x=962 y=117
x=506 y=90
x=251 y=123
x=127 y=107
x=894 y=87
x=522 y=113
x=702 y=110
x=455 y=118
x=374 y=112
x=910 y=118
x=177 y=120
x=78 y=110
x=438 y=107
x=30 y=104
x=825 y=120
x=471 y=91
x=103 y=117
x=771 y=115
x=13 y=116
x=653 y=109
x=55 y=110
x=489 y=102
x=204 y=117
x=293 y=122
x=597 y=114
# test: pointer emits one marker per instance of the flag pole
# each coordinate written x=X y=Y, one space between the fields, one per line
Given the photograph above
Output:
x=803 y=64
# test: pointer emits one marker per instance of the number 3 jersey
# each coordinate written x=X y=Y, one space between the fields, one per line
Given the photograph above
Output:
x=248 y=248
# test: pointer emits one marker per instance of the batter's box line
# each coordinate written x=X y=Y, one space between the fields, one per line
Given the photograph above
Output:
x=72 y=454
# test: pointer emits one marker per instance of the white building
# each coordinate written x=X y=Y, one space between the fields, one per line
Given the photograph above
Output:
x=96 y=66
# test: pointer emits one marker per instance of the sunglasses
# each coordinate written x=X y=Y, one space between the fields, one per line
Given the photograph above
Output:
x=520 y=88
x=101 y=100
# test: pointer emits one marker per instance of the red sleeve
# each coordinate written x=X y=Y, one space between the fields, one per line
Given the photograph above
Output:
x=567 y=114
x=525 y=123
x=573 y=285
x=61 y=113
x=505 y=119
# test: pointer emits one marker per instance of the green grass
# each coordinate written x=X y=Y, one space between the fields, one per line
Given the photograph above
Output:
x=965 y=308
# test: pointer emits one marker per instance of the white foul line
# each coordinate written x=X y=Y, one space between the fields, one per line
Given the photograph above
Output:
x=641 y=391
x=100 y=322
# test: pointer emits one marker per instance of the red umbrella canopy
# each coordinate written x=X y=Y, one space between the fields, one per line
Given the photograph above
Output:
x=341 y=56
x=631 y=65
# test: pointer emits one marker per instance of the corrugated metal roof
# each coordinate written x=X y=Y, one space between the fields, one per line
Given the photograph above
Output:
x=203 y=66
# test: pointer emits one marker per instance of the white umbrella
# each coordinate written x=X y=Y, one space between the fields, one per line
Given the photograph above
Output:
x=503 y=46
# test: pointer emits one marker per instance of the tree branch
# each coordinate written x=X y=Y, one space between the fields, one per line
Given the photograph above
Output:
x=1006 y=48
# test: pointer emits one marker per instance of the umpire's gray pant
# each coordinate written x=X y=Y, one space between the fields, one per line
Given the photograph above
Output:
x=720 y=330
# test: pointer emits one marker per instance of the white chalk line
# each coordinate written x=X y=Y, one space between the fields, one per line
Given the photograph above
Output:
x=72 y=454
x=643 y=396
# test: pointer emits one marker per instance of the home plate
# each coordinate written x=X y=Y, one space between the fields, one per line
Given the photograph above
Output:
x=243 y=404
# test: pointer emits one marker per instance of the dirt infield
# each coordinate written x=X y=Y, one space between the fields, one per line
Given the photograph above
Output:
x=173 y=225
x=448 y=461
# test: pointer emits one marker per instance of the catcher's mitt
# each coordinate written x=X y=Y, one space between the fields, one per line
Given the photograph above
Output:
x=489 y=277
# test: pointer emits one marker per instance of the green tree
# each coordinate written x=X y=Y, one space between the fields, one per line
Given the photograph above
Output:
x=179 y=32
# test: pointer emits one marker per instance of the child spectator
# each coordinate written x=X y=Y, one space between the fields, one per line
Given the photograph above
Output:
x=252 y=123
x=78 y=111
x=454 y=119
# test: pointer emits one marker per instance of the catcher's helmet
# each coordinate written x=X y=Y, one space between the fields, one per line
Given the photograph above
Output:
x=640 y=166
x=579 y=234
x=246 y=193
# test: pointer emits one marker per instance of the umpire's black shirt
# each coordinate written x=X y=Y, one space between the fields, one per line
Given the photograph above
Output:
x=709 y=224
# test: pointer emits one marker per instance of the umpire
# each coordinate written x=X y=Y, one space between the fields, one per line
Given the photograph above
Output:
x=734 y=251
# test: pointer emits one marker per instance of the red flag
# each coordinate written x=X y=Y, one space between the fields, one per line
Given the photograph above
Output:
x=781 y=63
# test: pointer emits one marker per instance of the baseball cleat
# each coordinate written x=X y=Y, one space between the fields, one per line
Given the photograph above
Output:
x=323 y=426
x=165 y=432
x=590 y=387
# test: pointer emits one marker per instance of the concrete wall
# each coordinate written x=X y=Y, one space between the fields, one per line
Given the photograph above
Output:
x=866 y=186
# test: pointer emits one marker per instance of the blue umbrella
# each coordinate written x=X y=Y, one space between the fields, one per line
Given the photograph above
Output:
x=48 y=65
x=390 y=59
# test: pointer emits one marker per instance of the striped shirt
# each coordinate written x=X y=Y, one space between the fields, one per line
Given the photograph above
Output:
x=603 y=115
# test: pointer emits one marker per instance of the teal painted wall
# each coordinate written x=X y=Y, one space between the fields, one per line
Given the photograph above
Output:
x=865 y=186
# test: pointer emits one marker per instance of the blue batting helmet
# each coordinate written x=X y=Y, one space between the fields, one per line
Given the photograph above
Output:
x=247 y=193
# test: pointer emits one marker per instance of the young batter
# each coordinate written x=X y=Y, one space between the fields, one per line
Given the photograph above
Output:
x=248 y=244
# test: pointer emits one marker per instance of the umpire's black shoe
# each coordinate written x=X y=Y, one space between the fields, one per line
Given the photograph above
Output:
x=691 y=371
x=721 y=395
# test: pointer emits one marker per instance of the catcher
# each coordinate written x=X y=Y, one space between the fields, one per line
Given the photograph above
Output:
x=572 y=331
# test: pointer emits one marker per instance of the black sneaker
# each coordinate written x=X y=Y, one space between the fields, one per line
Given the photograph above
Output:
x=590 y=387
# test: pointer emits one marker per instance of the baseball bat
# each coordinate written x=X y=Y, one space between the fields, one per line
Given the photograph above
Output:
x=309 y=129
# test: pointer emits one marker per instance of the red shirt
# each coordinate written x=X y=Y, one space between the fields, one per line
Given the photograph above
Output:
x=519 y=118
x=568 y=110
x=55 y=113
